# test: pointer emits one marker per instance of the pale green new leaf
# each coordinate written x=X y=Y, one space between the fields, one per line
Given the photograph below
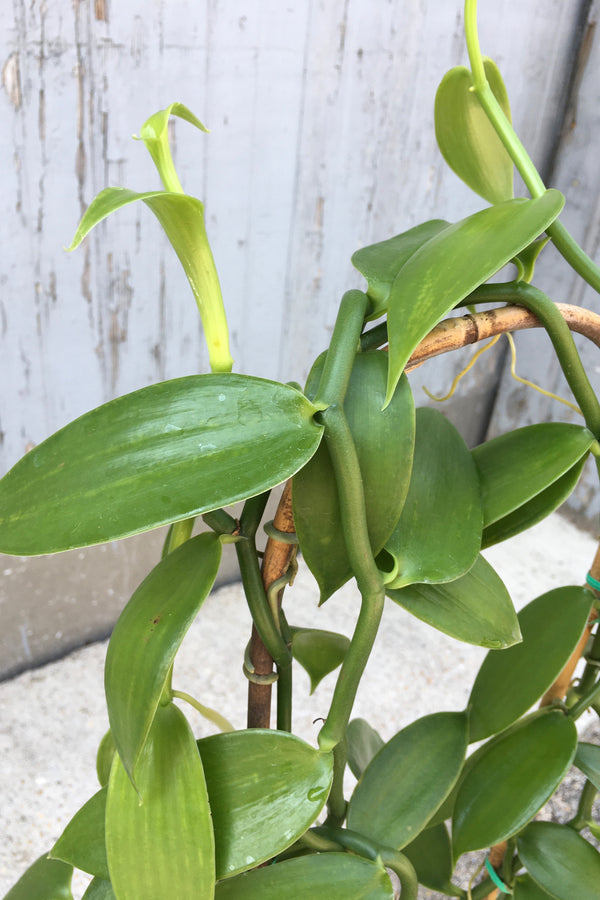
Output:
x=318 y=652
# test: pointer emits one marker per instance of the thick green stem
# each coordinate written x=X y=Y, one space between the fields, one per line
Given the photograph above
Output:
x=284 y=698
x=342 y=349
x=375 y=337
x=252 y=513
x=577 y=258
x=590 y=673
x=584 y=807
x=585 y=701
x=258 y=603
x=220 y=521
x=336 y=802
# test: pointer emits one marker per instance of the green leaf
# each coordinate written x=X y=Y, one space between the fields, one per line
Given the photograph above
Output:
x=560 y=860
x=525 y=888
x=448 y=267
x=163 y=846
x=104 y=757
x=155 y=135
x=99 y=889
x=476 y=608
x=512 y=780
x=147 y=636
x=384 y=443
x=511 y=681
x=467 y=139
x=587 y=759
x=363 y=743
x=335 y=876
x=536 y=509
x=381 y=262
x=431 y=855
x=82 y=842
x=161 y=454
x=318 y=652
x=444 y=487
x=408 y=779
x=517 y=466
x=265 y=788
x=46 y=879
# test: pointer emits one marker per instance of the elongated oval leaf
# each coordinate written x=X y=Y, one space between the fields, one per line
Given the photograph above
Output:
x=512 y=780
x=452 y=264
x=510 y=681
x=475 y=608
x=163 y=846
x=467 y=139
x=560 y=860
x=431 y=855
x=164 y=453
x=384 y=445
x=363 y=743
x=82 y=842
x=99 y=889
x=517 y=466
x=318 y=652
x=46 y=879
x=335 y=876
x=147 y=636
x=408 y=779
x=525 y=888
x=444 y=487
x=587 y=759
x=381 y=262
x=265 y=788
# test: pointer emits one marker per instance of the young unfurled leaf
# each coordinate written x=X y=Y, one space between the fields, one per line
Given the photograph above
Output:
x=163 y=846
x=560 y=861
x=82 y=842
x=46 y=879
x=155 y=135
x=467 y=139
x=408 y=779
x=444 y=488
x=443 y=271
x=318 y=652
x=158 y=455
x=363 y=743
x=510 y=681
x=147 y=636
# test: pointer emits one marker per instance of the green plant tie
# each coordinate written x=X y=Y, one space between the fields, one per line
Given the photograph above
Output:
x=284 y=537
x=592 y=581
x=496 y=878
x=251 y=674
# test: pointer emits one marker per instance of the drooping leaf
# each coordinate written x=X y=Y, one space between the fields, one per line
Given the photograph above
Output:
x=587 y=759
x=510 y=681
x=525 y=888
x=99 y=889
x=444 y=488
x=163 y=846
x=534 y=510
x=164 y=453
x=335 y=876
x=384 y=445
x=318 y=652
x=517 y=466
x=147 y=636
x=512 y=780
x=363 y=743
x=476 y=608
x=45 y=879
x=448 y=267
x=560 y=861
x=82 y=842
x=467 y=139
x=104 y=758
x=431 y=855
x=408 y=779
x=265 y=789
x=381 y=262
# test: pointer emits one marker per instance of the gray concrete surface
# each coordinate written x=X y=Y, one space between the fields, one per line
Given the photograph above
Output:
x=52 y=718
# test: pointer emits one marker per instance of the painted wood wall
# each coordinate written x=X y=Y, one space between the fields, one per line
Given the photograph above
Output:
x=321 y=141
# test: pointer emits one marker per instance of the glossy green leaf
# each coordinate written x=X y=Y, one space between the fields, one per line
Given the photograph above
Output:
x=448 y=267
x=467 y=139
x=163 y=846
x=265 y=788
x=381 y=262
x=104 y=758
x=363 y=743
x=331 y=876
x=46 y=879
x=147 y=636
x=525 y=888
x=318 y=652
x=82 y=842
x=408 y=779
x=99 y=889
x=475 y=608
x=512 y=780
x=384 y=445
x=536 y=509
x=517 y=466
x=431 y=855
x=444 y=488
x=587 y=759
x=164 y=453
x=560 y=860
x=509 y=682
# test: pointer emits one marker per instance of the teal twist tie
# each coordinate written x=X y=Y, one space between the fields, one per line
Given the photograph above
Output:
x=496 y=879
x=592 y=582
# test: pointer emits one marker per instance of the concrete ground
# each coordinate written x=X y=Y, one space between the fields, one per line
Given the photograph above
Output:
x=52 y=718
